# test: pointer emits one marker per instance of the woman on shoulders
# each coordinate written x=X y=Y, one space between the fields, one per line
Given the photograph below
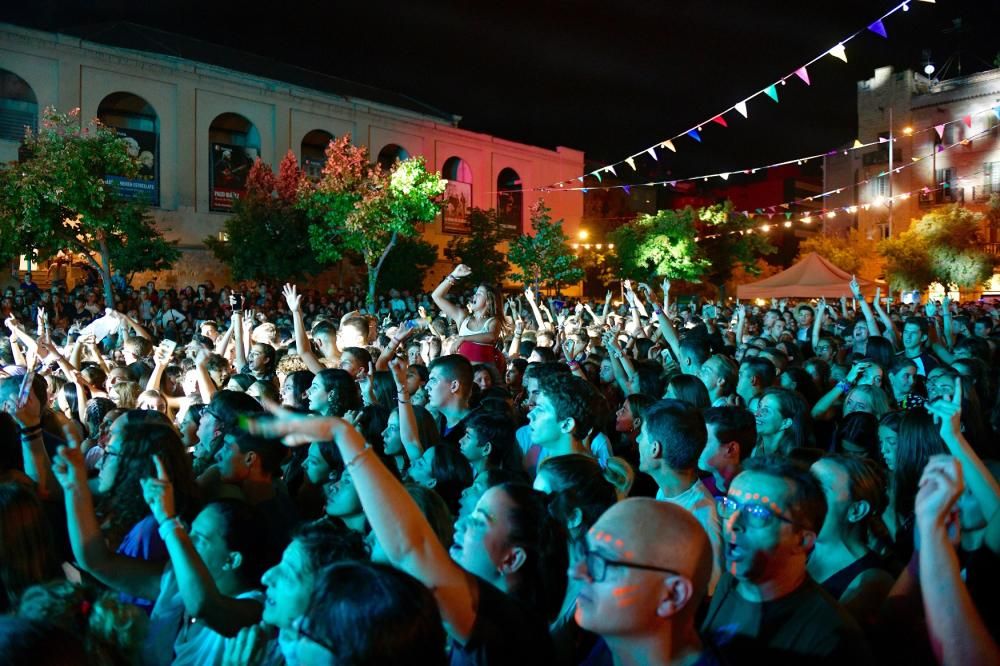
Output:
x=479 y=329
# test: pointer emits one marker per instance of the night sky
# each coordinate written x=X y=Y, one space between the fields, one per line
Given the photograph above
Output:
x=607 y=77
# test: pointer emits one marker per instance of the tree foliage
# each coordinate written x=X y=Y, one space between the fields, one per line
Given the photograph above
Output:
x=57 y=199
x=687 y=244
x=726 y=242
x=267 y=236
x=356 y=205
x=545 y=258
x=943 y=246
x=480 y=249
x=854 y=253
x=406 y=265
x=661 y=245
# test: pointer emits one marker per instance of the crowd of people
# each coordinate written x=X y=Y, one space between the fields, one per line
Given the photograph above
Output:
x=258 y=475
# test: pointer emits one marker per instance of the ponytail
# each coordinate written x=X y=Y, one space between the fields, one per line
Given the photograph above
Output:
x=620 y=475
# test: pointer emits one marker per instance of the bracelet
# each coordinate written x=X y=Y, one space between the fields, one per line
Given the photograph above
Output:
x=452 y=279
x=171 y=525
x=31 y=430
x=844 y=387
x=573 y=365
x=358 y=456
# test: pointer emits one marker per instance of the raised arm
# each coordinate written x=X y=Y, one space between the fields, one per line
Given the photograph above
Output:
x=866 y=309
x=302 y=344
x=138 y=578
x=28 y=418
x=890 y=330
x=400 y=526
x=389 y=353
x=440 y=295
x=667 y=329
x=202 y=599
x=409 y=431
x=530 y=296
x=818 y=321
x=241 y=352
x=133 y=324
x=957 y=631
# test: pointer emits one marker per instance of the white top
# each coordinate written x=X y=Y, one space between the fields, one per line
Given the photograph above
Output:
x=464 y=329
x=174 y=638
x=699 y=502
x=600 y=446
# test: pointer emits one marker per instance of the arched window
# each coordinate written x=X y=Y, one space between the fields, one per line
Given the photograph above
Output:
x=510 y=201
x=388 y=156
x=137 y=122
x=314 y=152
x=18 y=107
x=458 y=196
x=234 y=145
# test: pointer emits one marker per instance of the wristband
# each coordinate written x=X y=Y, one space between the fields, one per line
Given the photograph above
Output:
x=30 y=430
x=844 y=387
x=573 y=365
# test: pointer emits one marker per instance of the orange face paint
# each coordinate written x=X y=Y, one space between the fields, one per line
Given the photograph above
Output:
x=623 y=590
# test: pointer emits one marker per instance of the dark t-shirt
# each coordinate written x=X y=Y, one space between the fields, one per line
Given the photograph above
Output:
x=806 y=626
x=453 y=435
x=506 y=631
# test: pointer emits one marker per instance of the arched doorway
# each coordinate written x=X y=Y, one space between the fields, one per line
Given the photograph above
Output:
x=137 y=122
x=390 y=154
x=234 y=145
x=458 y=196
x=510 y=202
x=313 y=152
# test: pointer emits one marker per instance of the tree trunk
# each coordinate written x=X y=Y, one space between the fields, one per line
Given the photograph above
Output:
x=373 y=271
x=105 y=268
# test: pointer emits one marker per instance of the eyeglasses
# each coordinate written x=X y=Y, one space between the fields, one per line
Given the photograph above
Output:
x=757 y=515
x=300 y=629
x=597 y=566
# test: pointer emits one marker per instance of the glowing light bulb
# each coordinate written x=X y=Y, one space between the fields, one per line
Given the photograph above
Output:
x=765 y=228
x=788 y=223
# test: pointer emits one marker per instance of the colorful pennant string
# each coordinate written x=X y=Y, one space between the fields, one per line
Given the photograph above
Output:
x=839 y=51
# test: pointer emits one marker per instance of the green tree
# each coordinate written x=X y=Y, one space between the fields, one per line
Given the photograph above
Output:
x=57 y=199
x=358 y=206
x=267 y=236
x=725 y=242
x=661 y=245
x=545 y=258
x=480 y=249
x=407 y=264
x=943 y=246
x=854 y=253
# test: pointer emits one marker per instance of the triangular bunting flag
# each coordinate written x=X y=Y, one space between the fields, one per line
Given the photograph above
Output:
x=839 y=52
x=631 y=162
x=724 y=176
x=784 y=205
x=719 y=119
x=771 y=92
x=882 y=139
x=652 y=153
x=803 y=74
x=580 y=178
x=598 y=174
x=612 y=170
x=857 y=144
x=669 y=145
x=584 y=190
x=788 y=216
x=940 y=147
x=694 y=135
x=672 y=183
x=940 y=130
x=968 y=121
x=742 y=108
x=628 y=190
x=878 y=28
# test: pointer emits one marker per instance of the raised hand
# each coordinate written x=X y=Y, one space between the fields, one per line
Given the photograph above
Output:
x=292 y=297
x=11 y=323
x=947 y=412
x=941 y=485
x=529 y=294
x=665 y=285
x=248 y=647
x=461 y=271
x=159 y=493
x=398 y=370
x=855 y=287
x=68 y=466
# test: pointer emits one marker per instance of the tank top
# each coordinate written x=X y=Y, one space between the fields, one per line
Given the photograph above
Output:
x=838 y=583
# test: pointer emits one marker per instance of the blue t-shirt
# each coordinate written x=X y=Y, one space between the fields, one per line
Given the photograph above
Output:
x=143 y=542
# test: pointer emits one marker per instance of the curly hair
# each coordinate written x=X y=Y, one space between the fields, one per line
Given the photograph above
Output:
x=123 y=506
x=343 y=392
x=573 y=398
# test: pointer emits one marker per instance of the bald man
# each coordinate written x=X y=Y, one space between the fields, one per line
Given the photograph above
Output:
x=643 y=576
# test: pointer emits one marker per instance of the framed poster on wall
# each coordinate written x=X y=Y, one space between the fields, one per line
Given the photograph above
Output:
x=145 y=185
x=230 y=166
x=455 y=213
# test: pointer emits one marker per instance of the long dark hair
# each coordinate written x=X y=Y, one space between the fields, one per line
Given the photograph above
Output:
x=344 y=394
x=578 y=483
x=545 y=544
x=918 y=441
x=453 y=474
x=368 y=613
x=123 y=506
x=27 y=555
